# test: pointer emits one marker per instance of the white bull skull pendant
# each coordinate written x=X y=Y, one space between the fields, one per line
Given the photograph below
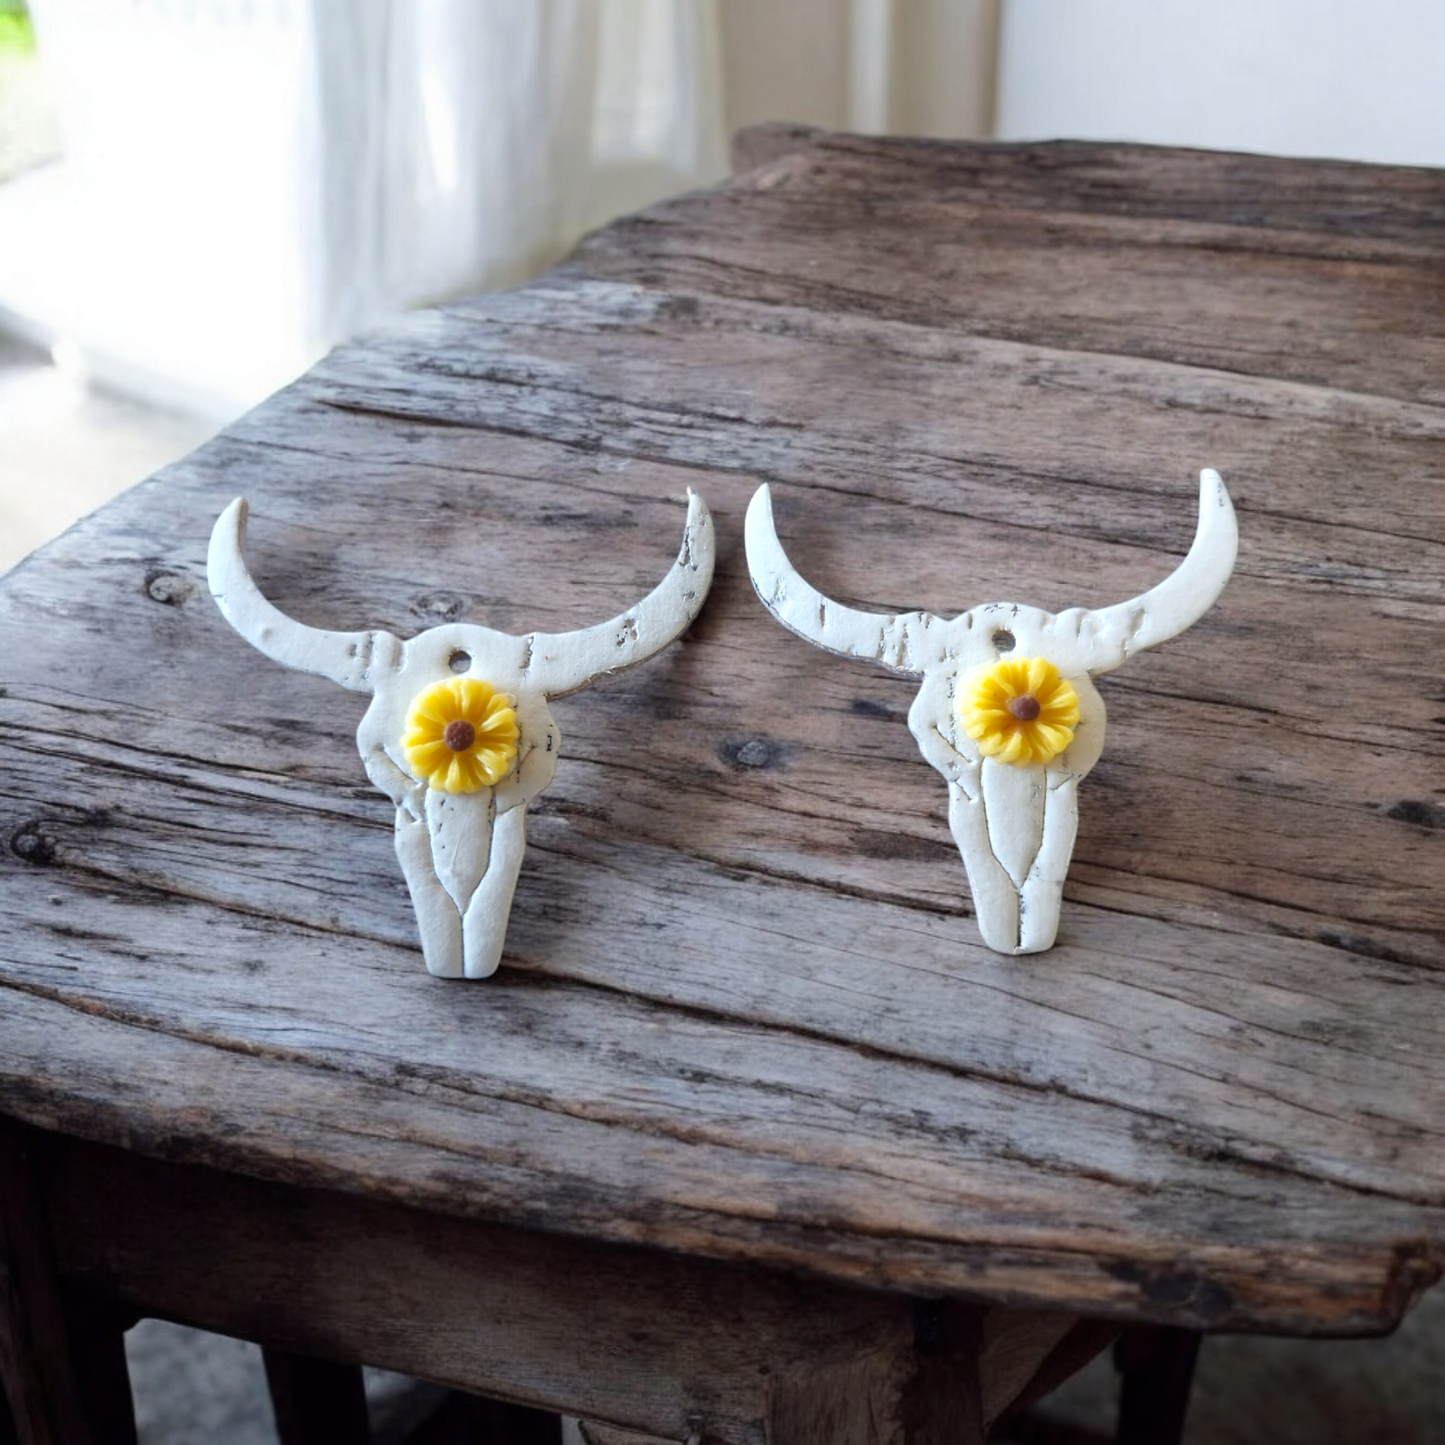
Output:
x=458 y=733
x=1007 y=710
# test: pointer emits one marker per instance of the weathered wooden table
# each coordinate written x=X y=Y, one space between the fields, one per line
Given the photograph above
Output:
x=748 y=1089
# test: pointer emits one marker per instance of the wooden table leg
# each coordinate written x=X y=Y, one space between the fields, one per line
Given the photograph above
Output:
x=1157 y=1365
x=517 y=1425
x=479 y=1421
x=8 y=1434
x=97 y=1338
x=317 y=1402
x=62 y=1361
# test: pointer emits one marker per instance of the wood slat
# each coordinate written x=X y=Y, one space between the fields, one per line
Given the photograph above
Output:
x=633 y=1337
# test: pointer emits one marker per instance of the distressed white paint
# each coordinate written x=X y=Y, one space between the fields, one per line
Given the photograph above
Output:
x=1014 y=826
x=461 y=853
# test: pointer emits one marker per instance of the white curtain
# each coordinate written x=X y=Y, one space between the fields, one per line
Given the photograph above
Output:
x=899 y=67
x=249 y=181
x=461 y=145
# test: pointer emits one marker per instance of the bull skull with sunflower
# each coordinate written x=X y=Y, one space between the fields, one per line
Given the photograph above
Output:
x=458 y=733
x=1007 y=710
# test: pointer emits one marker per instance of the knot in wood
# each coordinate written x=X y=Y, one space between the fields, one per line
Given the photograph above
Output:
x=168 y=588
x=32 y=844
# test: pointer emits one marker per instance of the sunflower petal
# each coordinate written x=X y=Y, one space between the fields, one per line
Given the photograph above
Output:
x=428 y=757
x=1053 y=740
x=476 y=700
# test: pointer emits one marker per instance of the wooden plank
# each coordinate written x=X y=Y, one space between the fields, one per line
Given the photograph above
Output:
x=1099 y=248
x=1127 y=183
x=1111 y=1030
x=744 y=1012
x=631 y=1337
x=692 y=1109
x=1259 y=708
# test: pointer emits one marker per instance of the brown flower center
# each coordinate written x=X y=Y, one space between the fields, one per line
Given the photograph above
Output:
x=460 y=734
x=1025 y=707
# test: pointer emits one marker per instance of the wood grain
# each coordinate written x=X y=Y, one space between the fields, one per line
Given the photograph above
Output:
x=744 y=1013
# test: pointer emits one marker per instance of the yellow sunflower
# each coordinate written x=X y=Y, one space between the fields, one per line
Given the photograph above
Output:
x=1019 y=710
x=460 y=735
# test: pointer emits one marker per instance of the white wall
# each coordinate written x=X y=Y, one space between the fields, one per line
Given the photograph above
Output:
x=1344 y=78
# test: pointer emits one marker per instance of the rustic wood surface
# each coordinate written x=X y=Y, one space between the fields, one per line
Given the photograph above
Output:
x=744 y=1012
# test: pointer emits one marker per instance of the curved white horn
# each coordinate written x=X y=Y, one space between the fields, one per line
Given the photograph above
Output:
x=344 y=657
x=1112 y=635
x=562 y=662
x=801 y=608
